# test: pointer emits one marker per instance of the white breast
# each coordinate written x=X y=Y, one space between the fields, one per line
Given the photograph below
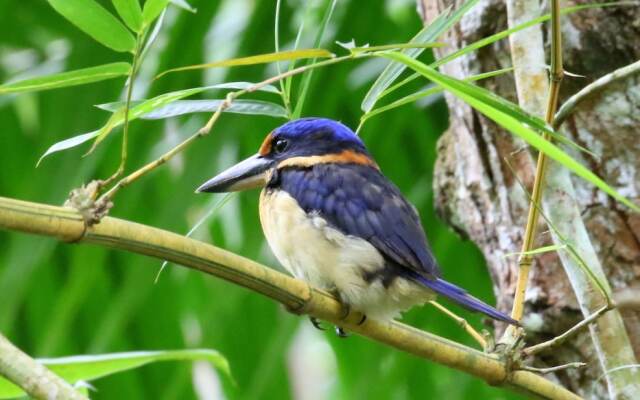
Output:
x=313 y=251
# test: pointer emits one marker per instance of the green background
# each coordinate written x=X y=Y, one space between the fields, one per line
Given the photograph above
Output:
x=58 y=299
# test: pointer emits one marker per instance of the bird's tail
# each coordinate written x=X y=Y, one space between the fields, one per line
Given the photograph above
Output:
x=461 y=297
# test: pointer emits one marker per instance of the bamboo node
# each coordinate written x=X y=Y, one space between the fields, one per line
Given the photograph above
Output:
x=83 y=200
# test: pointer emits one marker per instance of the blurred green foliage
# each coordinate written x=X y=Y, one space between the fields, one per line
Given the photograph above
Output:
x=59 y=299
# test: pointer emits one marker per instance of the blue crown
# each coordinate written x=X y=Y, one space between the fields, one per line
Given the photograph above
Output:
x=321 y=129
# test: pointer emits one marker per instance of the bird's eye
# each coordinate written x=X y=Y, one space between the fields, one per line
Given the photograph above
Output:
x=280 y=145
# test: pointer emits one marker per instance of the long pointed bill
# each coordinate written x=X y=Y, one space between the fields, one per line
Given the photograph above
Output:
x=248 y=174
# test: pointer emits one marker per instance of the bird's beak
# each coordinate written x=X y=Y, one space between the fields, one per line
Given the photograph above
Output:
x=247 y=174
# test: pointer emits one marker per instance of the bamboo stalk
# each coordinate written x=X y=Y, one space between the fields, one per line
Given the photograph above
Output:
x=608 y=333
x=555 y=78
x=66 y=224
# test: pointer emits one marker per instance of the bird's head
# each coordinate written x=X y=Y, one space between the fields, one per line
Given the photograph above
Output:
x=301 y=143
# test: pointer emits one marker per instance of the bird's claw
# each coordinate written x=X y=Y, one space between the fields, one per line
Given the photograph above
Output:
x=341 y=333
x=316 y=324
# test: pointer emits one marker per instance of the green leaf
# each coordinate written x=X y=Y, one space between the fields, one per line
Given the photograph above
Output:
x=96 y=22
x=182 y=107
x=515 y=120
x=367 y=49
x=259 y=59
x=140 y=108
x=143 y=107
x=85 y=368
x=184 y=5
x=151 y=10
x=428 y=34
x=426 y=92
x=130 y=12
x=69 y=78
x=68 y=143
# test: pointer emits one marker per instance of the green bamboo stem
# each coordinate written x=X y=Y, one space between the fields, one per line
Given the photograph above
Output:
x=68 y=225
x=555 y=78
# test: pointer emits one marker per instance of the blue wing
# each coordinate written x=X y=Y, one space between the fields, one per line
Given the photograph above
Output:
x=360 y=201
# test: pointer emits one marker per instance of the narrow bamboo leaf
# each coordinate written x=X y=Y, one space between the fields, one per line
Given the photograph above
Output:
x=296 y=44
x=142 y=108
x=152 y=9
x=117 y=118
x=244 y=86
x=96 y=22
x=427 y=92
x=69 y=78
x=513 y=120
x=306 y=78
x=539 y=250
x=153 y=35
x=85 y=368
x=394 y=46
x=182 y=107
x=184 y=5
x=130 y=12
x=259 y=59
x=68 y=143
x=428 y=34
x=501 y=35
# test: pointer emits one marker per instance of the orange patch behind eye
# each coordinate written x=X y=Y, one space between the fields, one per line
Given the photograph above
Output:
x=345 y=157
x=265 y=147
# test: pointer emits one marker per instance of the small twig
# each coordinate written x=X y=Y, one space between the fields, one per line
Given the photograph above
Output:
x=570 y=105
x=463 y=324
x=33 y=377
x=127 y=109
x=169 y=154
x=558 y=340
x=616 y=369
x=554 y=369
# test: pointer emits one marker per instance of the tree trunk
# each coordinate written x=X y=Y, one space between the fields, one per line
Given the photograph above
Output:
x=477 y=191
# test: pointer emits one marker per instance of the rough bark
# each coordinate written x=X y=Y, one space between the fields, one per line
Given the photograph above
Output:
x=478 y=194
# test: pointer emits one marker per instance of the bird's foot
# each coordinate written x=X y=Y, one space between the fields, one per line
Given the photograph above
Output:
x=316 y=323
x=341 y=333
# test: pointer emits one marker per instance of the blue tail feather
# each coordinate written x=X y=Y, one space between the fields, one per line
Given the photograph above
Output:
x=464 y=299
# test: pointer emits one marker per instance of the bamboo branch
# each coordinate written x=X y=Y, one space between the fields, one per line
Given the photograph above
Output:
x=462 y=323
x=558 y=340
x=594 y=87
x=32 y=377
x=556 y=368
x=68 y=225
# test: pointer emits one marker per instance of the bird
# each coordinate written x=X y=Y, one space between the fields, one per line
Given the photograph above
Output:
x=333 y=219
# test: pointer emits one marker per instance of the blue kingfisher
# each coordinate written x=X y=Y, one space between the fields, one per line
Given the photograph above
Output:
x=335 y=221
